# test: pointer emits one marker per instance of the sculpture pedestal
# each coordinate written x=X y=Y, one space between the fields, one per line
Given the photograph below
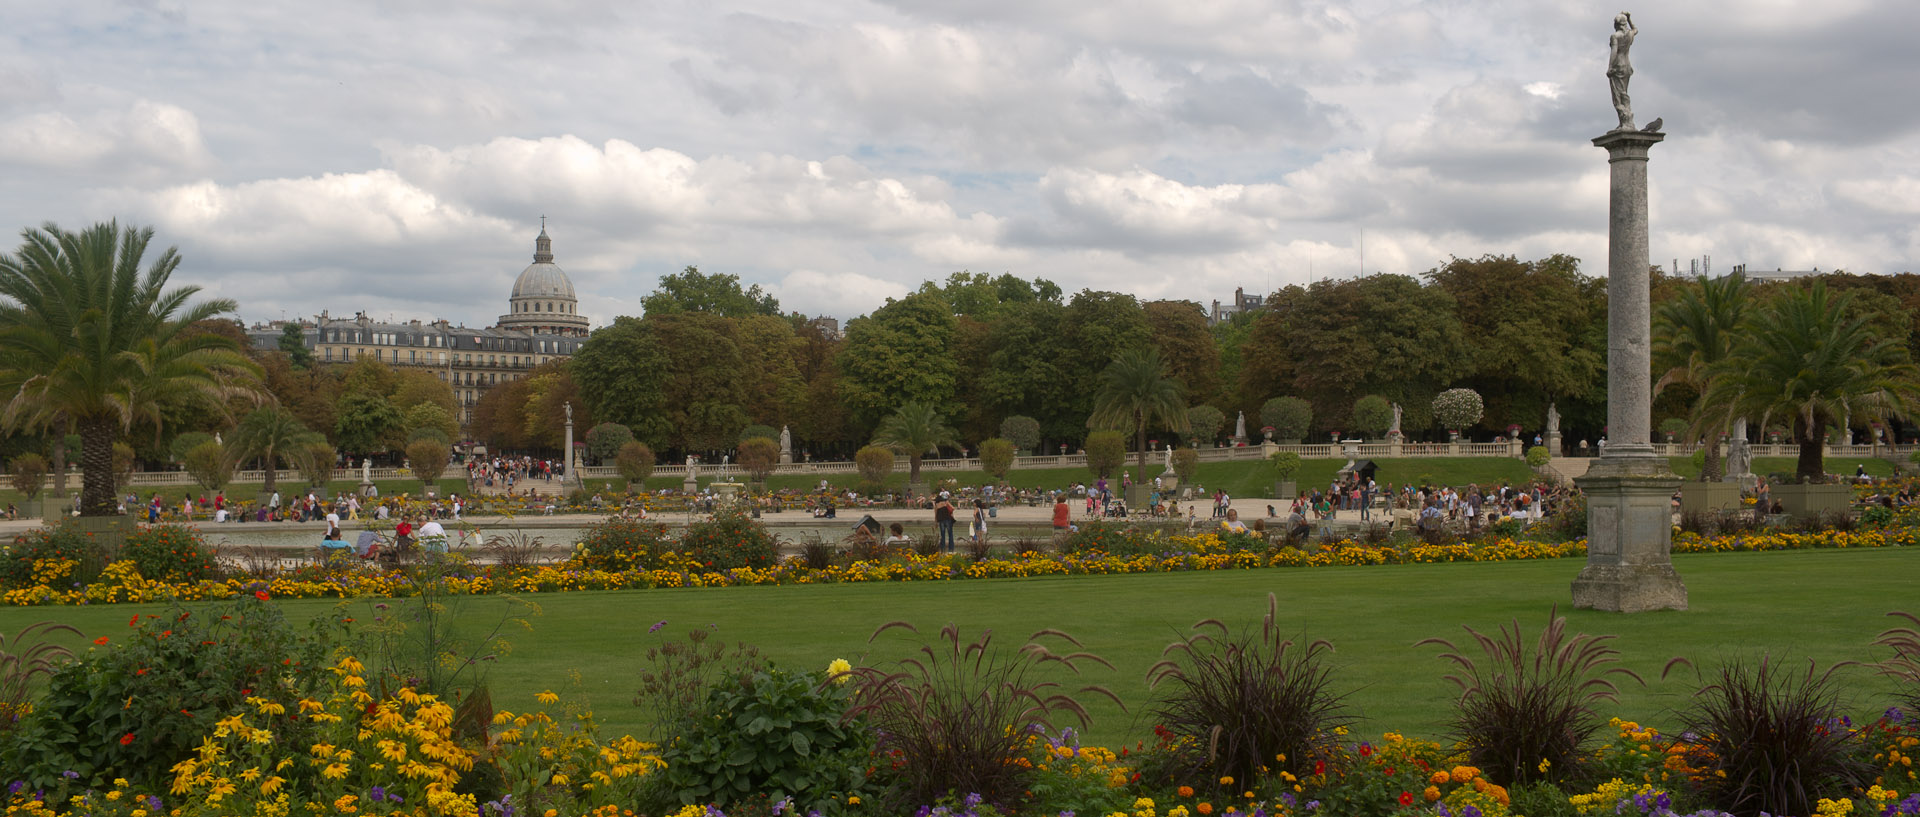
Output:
x=1629 y=538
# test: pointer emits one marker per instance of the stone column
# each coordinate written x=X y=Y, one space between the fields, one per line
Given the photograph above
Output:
x=572 y=478
x=1629 y=488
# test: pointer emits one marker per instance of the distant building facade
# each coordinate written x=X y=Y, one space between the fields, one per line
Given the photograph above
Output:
x=542 y=324
x=1242 y=302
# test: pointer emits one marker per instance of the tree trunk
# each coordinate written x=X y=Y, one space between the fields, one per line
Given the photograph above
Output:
x=59 y=456
x=913 y=470
x=1140 y=444
x=268 y=462
x=96 y=466
x=1812 y=466
x=1713 y=467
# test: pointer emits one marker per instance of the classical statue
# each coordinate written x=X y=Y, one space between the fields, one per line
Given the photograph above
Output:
x=1619 y=70
x=692 y=470
x=1169 y=459
x=569 y=408
x=1553 y=419
x=786 y=440
x=1240 y=427
x=366 y=469
x=1395 y=431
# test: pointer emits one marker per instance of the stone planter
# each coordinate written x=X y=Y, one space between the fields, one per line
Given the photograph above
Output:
x=1708 y=497
x=1802 y=501
x=1286 y=489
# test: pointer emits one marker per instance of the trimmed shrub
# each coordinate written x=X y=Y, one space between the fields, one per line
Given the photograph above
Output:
x=758 y=457
x=605 y=440
x=624 y=544
x=771 y=734
x=1373 y=415
x=171 y=553
x=634 y=462
x=1290 y=418
x=730 y=540
x=996 y=457
x=1024 y=432
x=1458 y=409
x=1204 y=424
x=1106 y=450
x=875 y=463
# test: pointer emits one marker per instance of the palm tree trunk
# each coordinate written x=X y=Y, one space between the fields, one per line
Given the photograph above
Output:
x=96 y=466
x=59 y=452
x=1713 y=467
x=1140 y=445
x=913 y=470
x=268 y=462
x=1812 y=466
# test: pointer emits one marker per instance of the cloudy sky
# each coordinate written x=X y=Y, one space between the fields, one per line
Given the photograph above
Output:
x=396 y=157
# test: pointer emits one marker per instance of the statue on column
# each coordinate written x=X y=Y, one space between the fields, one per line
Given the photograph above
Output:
x=1395 y=432
x=786 y=440
x=1619 y=69
x=1240 y=428
x=1553 y=419
x=692 y=470
x=1169 y=458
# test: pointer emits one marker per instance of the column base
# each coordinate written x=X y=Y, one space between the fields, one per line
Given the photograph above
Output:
x=1629 y=588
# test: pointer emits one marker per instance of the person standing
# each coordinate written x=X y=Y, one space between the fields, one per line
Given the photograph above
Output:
x=1062 y=516
x=979 y=522
x=943 y=517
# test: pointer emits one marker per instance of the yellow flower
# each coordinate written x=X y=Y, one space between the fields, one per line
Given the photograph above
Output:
x=547 y=697
x=838 y=670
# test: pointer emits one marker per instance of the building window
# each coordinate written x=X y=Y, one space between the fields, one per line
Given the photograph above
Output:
x=329 y=353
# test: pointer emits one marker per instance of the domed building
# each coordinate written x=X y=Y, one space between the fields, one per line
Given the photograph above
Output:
x=543 y=302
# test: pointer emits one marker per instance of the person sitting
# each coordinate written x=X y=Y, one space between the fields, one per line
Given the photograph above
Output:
x=898 y=537
x=1233 y=523
x=1297 y=527
x=367 y=546
x=332 y=546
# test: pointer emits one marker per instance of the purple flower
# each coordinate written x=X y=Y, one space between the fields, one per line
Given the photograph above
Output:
x=656 y=628
x=70 y=774
x=153 y=802
x=972 y=799
x=1287 y=798
x=1469 y=811
x=1313 y=805
x=377 y=794
x=1894 y=715
x=16 y=787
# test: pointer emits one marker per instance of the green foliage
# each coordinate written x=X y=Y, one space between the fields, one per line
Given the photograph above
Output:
x=875 y=463
x=676 y=677
x=900 y=353
x=622 y=370
x=1538 y=456
x=427 y=459
x=185 y=442
x=634 y=462
x=1289 y=417
x=1372 y=415
x=58 y=542
x=24 y=660
x=166 y=682
x=1023 y=432
x=760 y=431
x=367 y=424
x=1458 y=409
x=1204 y=424
x=433 y=435
x=1284 y=464
x=275 y=437
x=956 y=716
x=316 y=461
x=605 y=440
x=996 y=457
x=93 y=341
x=758 y=456
x=209 y=465
x=1186 y=464
x=1674 y=426
x=170 y=553
x=915 y=430
x=1135 y=394
x=1526 y=715
x=772 y=734
x=27 y=473
x=430 y=416
x=691 y=290
x=1106 y=451
x=1234 y=703
x=1771 y=740
x=730 y=540
x=624 y=544
x=294 y=343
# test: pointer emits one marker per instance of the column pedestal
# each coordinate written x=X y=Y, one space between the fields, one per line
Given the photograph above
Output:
x=1629 y=538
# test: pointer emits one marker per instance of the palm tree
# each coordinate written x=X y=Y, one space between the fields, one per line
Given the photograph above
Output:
x=1136 y=392
x=273 y=435
x=1805 y=356
x=85 y=334
x=915 y=430
x=1692 y=335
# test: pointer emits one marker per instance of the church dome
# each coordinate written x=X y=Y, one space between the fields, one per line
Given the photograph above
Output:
x=543 y=280
x=543 y=301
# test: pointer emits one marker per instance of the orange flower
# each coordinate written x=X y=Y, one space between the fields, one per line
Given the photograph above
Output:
x=102 y=641
x=1204 y=808
x=1432 y=793
x=126 y=739
x=262 y=595
x=1186 y=791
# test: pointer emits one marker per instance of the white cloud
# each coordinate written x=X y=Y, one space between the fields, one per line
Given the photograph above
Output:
x=146 y=139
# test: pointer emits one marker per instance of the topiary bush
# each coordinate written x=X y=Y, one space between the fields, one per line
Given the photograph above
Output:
x=624 y=544
x=1458 y=409
x=171 y=553
x=730 y=540
x=1290 y=418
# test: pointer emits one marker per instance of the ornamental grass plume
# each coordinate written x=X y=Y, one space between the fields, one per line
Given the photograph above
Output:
x=1520 y=706
x=1904 y=665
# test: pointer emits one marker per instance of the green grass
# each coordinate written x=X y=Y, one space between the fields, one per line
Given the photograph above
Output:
x=1825 y=605
x=1763 y=466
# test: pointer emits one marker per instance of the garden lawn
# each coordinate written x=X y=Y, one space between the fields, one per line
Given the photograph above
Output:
x=1824 y=605
x=1785 y=466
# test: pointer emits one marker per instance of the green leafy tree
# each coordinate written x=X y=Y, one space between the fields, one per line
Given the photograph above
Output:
x=1106 y=451
x=427 y=459
x=209 y=465
x=1135 y=392
x=1809 y=356
x=605 y=440
x=1372 y=415
x=417 y=386
x=1096 y=329
x=27 y=474
x=758 y=457
x=429 y=416
x=1179 y=331
x=1692 y=334
x=370 y=376
x=1204 y=424
x=902 y=352
x=182 y=443
x=316 y=461
x=1031 y=370
x=875 y=463
x=621 y=369
x=1023 y=432
x=272 y=435
x=691 y=290
x=1289 y=417
x=1531 y=332
x=634 y=462
x=366 y=423
x=1458 y=409
x=1186 y=463
x=293 y=342
x=916 y=430
x=996 y=457
x=87 y=338
x=760 y=431
x=1284 y=464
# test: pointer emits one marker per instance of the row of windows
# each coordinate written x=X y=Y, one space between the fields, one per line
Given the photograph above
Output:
x=414 y=356
x=564 y=307
x=545 y=347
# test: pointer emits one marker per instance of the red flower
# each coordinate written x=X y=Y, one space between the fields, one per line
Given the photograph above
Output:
x=135 y=621
x=1406 y=798
x=1319 y=767
x=1366 y=750
x=102 y=641
x=126 y=739
x=262 y=595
